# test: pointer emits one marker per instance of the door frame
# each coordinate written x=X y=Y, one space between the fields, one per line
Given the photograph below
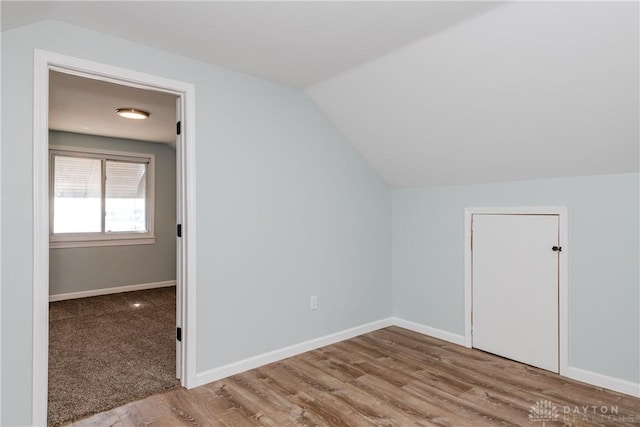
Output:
x=45 y=61
x=563 y=277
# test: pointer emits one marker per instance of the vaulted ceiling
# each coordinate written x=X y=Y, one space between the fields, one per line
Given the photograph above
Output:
x=431 y=93
x=294 y=43
x=528 y=90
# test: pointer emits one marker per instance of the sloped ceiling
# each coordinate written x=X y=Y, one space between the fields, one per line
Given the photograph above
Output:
x=431 y=93
x=294 y=43
x=528 y=90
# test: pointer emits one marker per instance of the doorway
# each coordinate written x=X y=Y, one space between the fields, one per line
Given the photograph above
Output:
x=515 y=284
x=112 y=258
x=44 y=62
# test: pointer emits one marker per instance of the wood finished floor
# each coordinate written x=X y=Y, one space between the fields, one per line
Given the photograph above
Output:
x=390 y=377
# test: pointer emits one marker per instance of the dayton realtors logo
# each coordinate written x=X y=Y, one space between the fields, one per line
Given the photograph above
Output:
x=546 y=411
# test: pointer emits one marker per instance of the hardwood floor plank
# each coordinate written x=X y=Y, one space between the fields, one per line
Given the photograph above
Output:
x=283 y=382
x=141 y=411
x=363 y=404
x=216 y=410
x=237 y=411
x=484 y=375
x=360 y=398
x=527 y=383
x=271 y=389
x=342 y=370
x=184 y=409
x=399 y=375
x=445 y=392
x=314 y=395
x=109 y=418
x=390 y=377
x=268 y=412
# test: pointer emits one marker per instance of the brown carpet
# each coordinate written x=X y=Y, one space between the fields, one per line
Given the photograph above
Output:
x=109 y=350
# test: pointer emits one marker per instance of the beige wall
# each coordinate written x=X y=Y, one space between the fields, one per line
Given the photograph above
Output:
x=85 y=269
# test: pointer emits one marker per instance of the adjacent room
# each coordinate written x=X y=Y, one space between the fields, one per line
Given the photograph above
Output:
x=112 y=258
x=358 y=213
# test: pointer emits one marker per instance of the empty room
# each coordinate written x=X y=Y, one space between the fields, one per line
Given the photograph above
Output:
x=112 y=311
x=383 y=213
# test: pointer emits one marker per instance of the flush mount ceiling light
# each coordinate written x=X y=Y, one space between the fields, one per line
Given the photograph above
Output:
x=132 y=113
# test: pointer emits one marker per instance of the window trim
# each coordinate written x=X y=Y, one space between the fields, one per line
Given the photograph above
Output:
x=114 y=238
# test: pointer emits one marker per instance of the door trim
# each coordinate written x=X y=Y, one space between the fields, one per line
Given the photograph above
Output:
x=563 y=294
x=44 y=62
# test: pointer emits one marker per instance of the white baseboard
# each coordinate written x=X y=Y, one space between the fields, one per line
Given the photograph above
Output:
x=611 y=383
x=283 y=353
x=216 y=374
x=592 y=378
x=428 y=330
x=114 y=290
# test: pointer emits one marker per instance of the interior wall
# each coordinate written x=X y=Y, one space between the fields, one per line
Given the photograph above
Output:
x=86 y=269
x=286 y=209
x=603 y=251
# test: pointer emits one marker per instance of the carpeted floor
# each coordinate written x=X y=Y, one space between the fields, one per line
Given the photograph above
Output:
x=109 y=350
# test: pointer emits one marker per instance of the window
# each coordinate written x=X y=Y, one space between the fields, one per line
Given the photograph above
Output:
x=100 y=198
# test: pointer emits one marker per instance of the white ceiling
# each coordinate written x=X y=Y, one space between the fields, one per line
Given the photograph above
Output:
x=431 y=93
x=529 y=90
x=295 y=43
x=84 y=105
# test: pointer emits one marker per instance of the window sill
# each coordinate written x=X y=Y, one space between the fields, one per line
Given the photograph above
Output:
x=65 y=244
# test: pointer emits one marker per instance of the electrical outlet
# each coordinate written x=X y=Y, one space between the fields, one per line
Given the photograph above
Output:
x=314 y=302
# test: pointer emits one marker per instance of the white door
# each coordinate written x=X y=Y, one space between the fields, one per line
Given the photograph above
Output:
x=515 y=287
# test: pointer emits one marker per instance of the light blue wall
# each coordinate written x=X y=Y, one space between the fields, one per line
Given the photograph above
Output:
x=603 y=250
x=286 y=208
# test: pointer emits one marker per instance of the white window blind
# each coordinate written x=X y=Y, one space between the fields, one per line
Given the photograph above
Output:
x=77 y=195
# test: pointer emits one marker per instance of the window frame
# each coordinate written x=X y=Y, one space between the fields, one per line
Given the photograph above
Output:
x=103 y=238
